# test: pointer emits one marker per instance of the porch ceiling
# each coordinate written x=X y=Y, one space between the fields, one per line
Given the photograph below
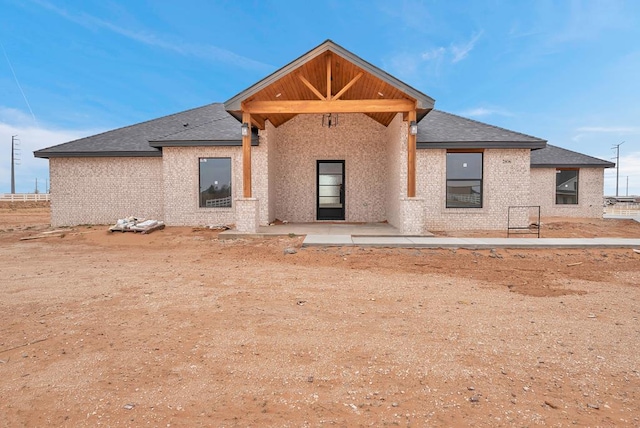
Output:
x=328 y=79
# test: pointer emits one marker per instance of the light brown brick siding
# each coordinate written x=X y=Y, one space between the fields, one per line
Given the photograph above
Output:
x=505 y=182
x=590 y=191
x=102 y=190
x=182 y=174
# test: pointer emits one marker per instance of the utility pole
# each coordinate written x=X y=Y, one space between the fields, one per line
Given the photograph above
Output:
x=627 y=185
x=617 y=147
x=13 y=161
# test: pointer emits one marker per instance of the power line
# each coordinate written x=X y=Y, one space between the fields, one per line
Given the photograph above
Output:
x=14 y=142
x=617 y=148
x=18 y=83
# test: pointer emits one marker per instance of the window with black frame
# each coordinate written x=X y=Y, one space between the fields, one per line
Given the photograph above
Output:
x=566 y=186
x=464 y=180
x=215 y=183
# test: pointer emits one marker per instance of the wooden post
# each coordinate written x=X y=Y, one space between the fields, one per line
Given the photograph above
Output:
x=411 y=157
x=246 y=158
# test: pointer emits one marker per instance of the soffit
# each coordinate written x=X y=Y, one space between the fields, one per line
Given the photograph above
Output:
x=331 y=73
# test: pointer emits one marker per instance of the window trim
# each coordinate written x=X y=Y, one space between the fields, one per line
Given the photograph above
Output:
x=200 y=158
x=555 y=187
x=480 y=180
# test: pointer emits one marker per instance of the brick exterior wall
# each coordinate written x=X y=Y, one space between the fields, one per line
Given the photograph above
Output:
x=265 y=137
x=505 y=182
x=590 y=193
x=181 y=178
x=299 y=143
x=102 y=190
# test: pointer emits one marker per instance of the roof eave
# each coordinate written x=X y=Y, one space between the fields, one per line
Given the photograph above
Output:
x=482 y=145
x=573 y=165
x=104 y=154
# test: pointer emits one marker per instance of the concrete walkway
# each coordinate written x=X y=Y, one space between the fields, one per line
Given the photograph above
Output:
x=329 y=234
x=468 y=243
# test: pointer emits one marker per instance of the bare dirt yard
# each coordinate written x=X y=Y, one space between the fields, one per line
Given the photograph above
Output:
x=180 y=328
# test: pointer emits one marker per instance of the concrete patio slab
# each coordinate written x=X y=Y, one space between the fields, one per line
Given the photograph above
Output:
x=323 y=228
x=327 y=240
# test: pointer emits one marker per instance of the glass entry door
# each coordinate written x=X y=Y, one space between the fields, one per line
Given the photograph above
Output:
x=330 y=190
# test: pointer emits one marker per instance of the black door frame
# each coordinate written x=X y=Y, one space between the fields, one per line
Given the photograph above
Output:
x=330 y=213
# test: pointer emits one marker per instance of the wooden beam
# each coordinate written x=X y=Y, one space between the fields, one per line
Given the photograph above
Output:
x=337 y=106
x=246 y=158
x=347 y=86
x=329 y=56
x=258 y=121
x=310 y=86
x=411 y=157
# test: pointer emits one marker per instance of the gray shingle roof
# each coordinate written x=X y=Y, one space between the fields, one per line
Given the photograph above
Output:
x=211 y=125
x=556 y=157
x=445 y=130
x=218 y=127
x=207 y=125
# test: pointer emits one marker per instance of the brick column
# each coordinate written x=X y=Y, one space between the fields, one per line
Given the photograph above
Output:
x=247 y=215
x=412 y=216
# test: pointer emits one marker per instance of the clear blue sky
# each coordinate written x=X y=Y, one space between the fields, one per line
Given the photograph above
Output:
x=566 y=71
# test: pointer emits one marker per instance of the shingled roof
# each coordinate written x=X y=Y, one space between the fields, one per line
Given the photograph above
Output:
x=445 y=130
x=209 y=125
x=556 y=157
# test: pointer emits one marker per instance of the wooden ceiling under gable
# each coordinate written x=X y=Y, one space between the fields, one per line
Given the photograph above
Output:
x=328 y=79
x=324 y=81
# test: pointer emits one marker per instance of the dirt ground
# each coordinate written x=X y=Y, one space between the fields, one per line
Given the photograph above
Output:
x=179 y=328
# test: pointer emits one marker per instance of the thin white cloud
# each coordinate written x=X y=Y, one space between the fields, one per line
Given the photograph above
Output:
x=405 y=65
x=486 y=111
x=583 y=132
x=610 y=129
x=30 y=137
x=461 y=51
x=206 y=52
x=415 y=66
x=454 y=53
x=434 y=54
x=589 y=19
x=411 y=14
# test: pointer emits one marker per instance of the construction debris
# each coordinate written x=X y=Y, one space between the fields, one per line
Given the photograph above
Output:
x=49 y=234
x=218 y=227
x=134 y=224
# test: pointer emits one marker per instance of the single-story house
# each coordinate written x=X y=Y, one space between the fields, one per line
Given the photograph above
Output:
x=328 y=137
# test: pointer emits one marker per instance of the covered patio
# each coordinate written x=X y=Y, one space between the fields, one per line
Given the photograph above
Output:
x=326 y=85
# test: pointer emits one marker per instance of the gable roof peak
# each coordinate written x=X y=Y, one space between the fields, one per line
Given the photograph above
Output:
x=423 y=101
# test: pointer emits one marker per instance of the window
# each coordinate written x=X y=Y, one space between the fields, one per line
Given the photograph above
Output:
x=567 y=186
x=464 y=180
x=215 y=182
